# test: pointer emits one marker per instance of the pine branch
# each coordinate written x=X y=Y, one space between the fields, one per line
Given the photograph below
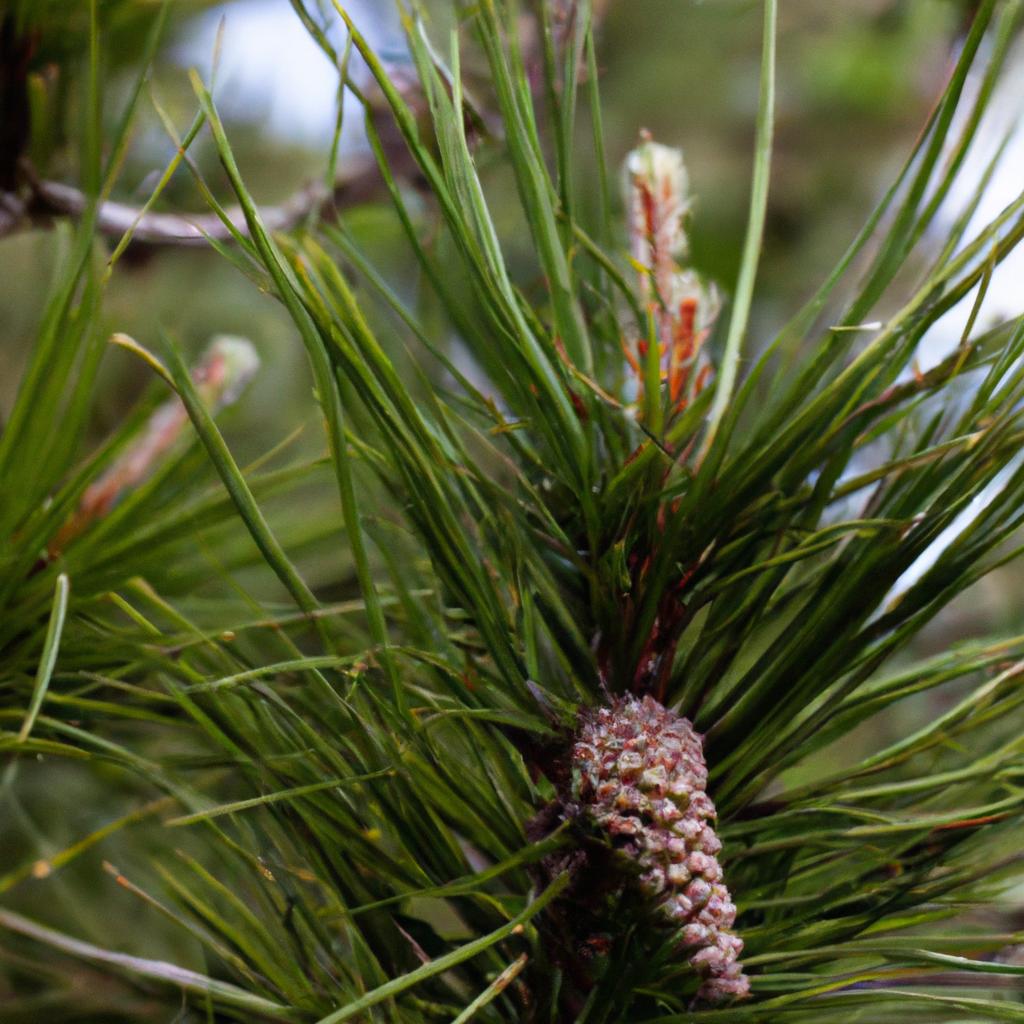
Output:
x=49 y=201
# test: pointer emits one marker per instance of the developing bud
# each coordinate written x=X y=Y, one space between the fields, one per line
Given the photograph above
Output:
x=225 y=369
x=639 y=776
x=658 y=186
x=684 y=308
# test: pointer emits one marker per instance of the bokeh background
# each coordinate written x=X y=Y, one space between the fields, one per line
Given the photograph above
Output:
x=856 y=80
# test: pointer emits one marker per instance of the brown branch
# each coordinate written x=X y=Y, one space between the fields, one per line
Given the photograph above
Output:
x=42 y=202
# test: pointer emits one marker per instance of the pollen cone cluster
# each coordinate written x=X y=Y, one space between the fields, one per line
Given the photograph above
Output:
x=639 y=775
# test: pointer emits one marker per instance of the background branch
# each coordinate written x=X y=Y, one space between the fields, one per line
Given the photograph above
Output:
x=47 y=201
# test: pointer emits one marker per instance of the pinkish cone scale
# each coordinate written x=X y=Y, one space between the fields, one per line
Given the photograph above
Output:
x=639 y=775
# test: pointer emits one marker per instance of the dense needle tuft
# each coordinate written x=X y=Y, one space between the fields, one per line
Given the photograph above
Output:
x=639 y=774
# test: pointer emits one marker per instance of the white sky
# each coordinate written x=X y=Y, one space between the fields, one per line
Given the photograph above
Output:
x=271 y=71
x=1005 y=295
x=1004 y=298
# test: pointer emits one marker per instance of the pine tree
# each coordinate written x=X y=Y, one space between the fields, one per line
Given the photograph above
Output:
x=625 y=573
